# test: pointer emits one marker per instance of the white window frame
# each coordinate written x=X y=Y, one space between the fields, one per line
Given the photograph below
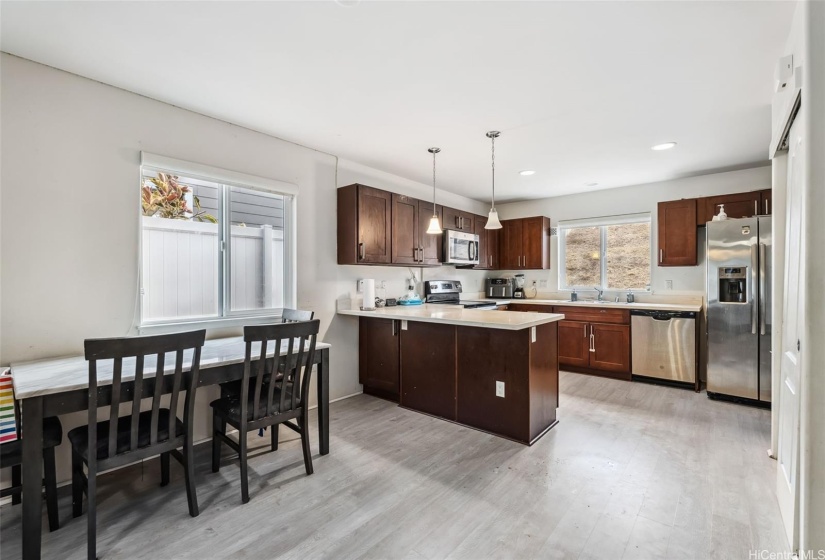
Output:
x=226 y=317
x=602 y=222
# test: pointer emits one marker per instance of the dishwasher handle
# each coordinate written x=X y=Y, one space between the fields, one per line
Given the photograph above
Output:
x=663 y=315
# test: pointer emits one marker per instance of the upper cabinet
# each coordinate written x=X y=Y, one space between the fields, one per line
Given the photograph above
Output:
x=364 y=225
x=430 y=246
x=738 y=205
x=677 y=233
x=524 y=244
x=766 y=208
x=406 y=238
x=488 y=253
x=458 y=220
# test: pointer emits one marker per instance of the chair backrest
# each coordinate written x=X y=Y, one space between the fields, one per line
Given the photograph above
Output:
x=155 y=347
x=296 y=315
x=292 y=346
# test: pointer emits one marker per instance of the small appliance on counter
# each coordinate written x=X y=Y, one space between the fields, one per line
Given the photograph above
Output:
x=518 y=292
x=411 y=297
x=447 y=292
x=502 y=288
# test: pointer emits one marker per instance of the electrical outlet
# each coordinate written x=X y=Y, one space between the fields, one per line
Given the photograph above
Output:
x=500 y=389
x=543 y=283
x=359 y=287
x=669 y=284
x=383 y=284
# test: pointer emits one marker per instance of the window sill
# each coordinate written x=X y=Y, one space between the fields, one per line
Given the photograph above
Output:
x=216 y=323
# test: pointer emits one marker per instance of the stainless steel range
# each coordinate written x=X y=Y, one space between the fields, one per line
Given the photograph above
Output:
x=448 y=292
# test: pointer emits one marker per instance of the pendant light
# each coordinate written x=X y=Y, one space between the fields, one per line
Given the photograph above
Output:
x=435 y=227
x=492 y=217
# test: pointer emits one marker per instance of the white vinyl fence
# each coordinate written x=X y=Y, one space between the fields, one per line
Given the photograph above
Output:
x=181 y=268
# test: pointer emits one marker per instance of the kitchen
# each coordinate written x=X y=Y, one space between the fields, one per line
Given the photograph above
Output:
x=558 y=386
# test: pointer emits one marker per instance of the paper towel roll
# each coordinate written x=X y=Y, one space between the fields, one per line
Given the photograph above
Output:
x=369 y=294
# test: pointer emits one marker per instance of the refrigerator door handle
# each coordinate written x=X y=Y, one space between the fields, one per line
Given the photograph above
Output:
x=762 y=288
x=752 y=290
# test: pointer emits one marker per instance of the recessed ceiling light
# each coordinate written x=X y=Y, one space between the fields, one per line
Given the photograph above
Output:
x=665 y=146
x=591 y=185
x=527 y=172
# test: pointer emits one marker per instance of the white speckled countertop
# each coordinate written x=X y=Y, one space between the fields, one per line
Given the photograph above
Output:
x=455 y=315
x=650 y=306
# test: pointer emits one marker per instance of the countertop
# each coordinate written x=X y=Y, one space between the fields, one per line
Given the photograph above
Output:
x=457 y=315
x=649 y=306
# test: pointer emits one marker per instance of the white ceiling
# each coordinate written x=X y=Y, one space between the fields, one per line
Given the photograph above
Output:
x=580 y=90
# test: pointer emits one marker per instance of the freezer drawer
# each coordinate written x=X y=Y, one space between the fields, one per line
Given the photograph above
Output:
x=664 y=345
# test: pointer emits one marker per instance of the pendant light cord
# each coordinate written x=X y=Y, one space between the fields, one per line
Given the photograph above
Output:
x=434 y=212
x=493 y=200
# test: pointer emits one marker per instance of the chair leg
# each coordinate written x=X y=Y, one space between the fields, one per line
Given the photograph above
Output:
x=50 y=473
x=164 y=468
x=218 y=427
x=77 y=485
x=305 y=443
x=16 y=481
x=189 y=467
x=244 y=473
x=273 y=432
x=91 y=514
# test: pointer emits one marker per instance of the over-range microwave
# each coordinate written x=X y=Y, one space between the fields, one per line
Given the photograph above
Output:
x=460 y=248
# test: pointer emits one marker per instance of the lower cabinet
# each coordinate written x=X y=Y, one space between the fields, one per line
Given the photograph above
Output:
x=427 y=350
x=595 y=340
x=378 y=357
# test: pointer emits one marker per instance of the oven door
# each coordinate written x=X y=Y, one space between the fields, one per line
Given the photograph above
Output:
x=460 y=247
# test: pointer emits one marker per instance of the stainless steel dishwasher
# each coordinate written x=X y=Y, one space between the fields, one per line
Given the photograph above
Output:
x=664 y=345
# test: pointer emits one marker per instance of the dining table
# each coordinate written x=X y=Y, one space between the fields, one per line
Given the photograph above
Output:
x=55 y=386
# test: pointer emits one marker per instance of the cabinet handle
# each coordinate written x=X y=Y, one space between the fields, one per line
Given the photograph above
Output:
x=585 y=330
x=755 y=207
x=661 y=254
x=421 y=254
x=592 y=344
x=766 y=207
x=490 y=260
x=361 y=251
x=394 y=328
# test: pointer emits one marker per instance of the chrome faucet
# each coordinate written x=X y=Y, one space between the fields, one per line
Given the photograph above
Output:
x=600 y=291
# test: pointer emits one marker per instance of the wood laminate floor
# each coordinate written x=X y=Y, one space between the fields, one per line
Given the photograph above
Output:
x=631 y=471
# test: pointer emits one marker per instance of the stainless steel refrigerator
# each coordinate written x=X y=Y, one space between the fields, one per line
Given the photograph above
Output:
x=739 y=309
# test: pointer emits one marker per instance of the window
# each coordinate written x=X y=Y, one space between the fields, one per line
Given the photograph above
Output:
x=612 y=253
x=215 y=245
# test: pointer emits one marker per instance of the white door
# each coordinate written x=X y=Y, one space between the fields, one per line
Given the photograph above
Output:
x=793 y=320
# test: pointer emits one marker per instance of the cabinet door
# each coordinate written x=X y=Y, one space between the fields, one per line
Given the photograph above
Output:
x=511 y=245
x=378 y=357
x=430 y=246
x=677 y=233
x=487 y=244
x=766 y=207
x=535 y=243
x=457 y=220
x=428 y=368
x=610 y=347
x=374 y=225
x=574 y=343
x=738 y=205
x=405 y=239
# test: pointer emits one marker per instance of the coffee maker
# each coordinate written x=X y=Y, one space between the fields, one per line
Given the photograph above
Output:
x=518 y=292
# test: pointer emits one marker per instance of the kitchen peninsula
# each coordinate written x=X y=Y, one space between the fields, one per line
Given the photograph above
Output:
x=495 y=371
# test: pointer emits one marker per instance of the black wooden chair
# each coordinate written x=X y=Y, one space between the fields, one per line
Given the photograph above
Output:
x=119 y=441
x=233 y=388
x=262 y=403
x=11 y=455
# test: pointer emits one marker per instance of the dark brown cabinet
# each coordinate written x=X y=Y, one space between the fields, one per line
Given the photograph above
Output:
x=406 y=239
x=430 y=246
x=737 y=205
x=458 y=220
x=364 y=225
x=574 y=343
x=428 y=352
x=488 y=253
x=594 y=340
x=766 y=206
x=677 y=233
x=525 y=244
x=378 y=357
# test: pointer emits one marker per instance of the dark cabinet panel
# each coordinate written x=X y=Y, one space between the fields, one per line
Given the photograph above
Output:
x=574 y=343
x=430 y=249
x=428 y=361
x=737 y=205
x=677 y=233
x=511 y=244
x=378 y=357
x=610 y=347
x=487 y=244
x=364 y=225
x=766 y=206
x=405 y=237
x=458 y=220
x=525 y=244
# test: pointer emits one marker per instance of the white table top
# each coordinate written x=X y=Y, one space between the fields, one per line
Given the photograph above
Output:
x=458 y=315
x=58 y=375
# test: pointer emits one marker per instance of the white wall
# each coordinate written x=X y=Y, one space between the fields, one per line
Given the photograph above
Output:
x=70 y=176
x=634 y=199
